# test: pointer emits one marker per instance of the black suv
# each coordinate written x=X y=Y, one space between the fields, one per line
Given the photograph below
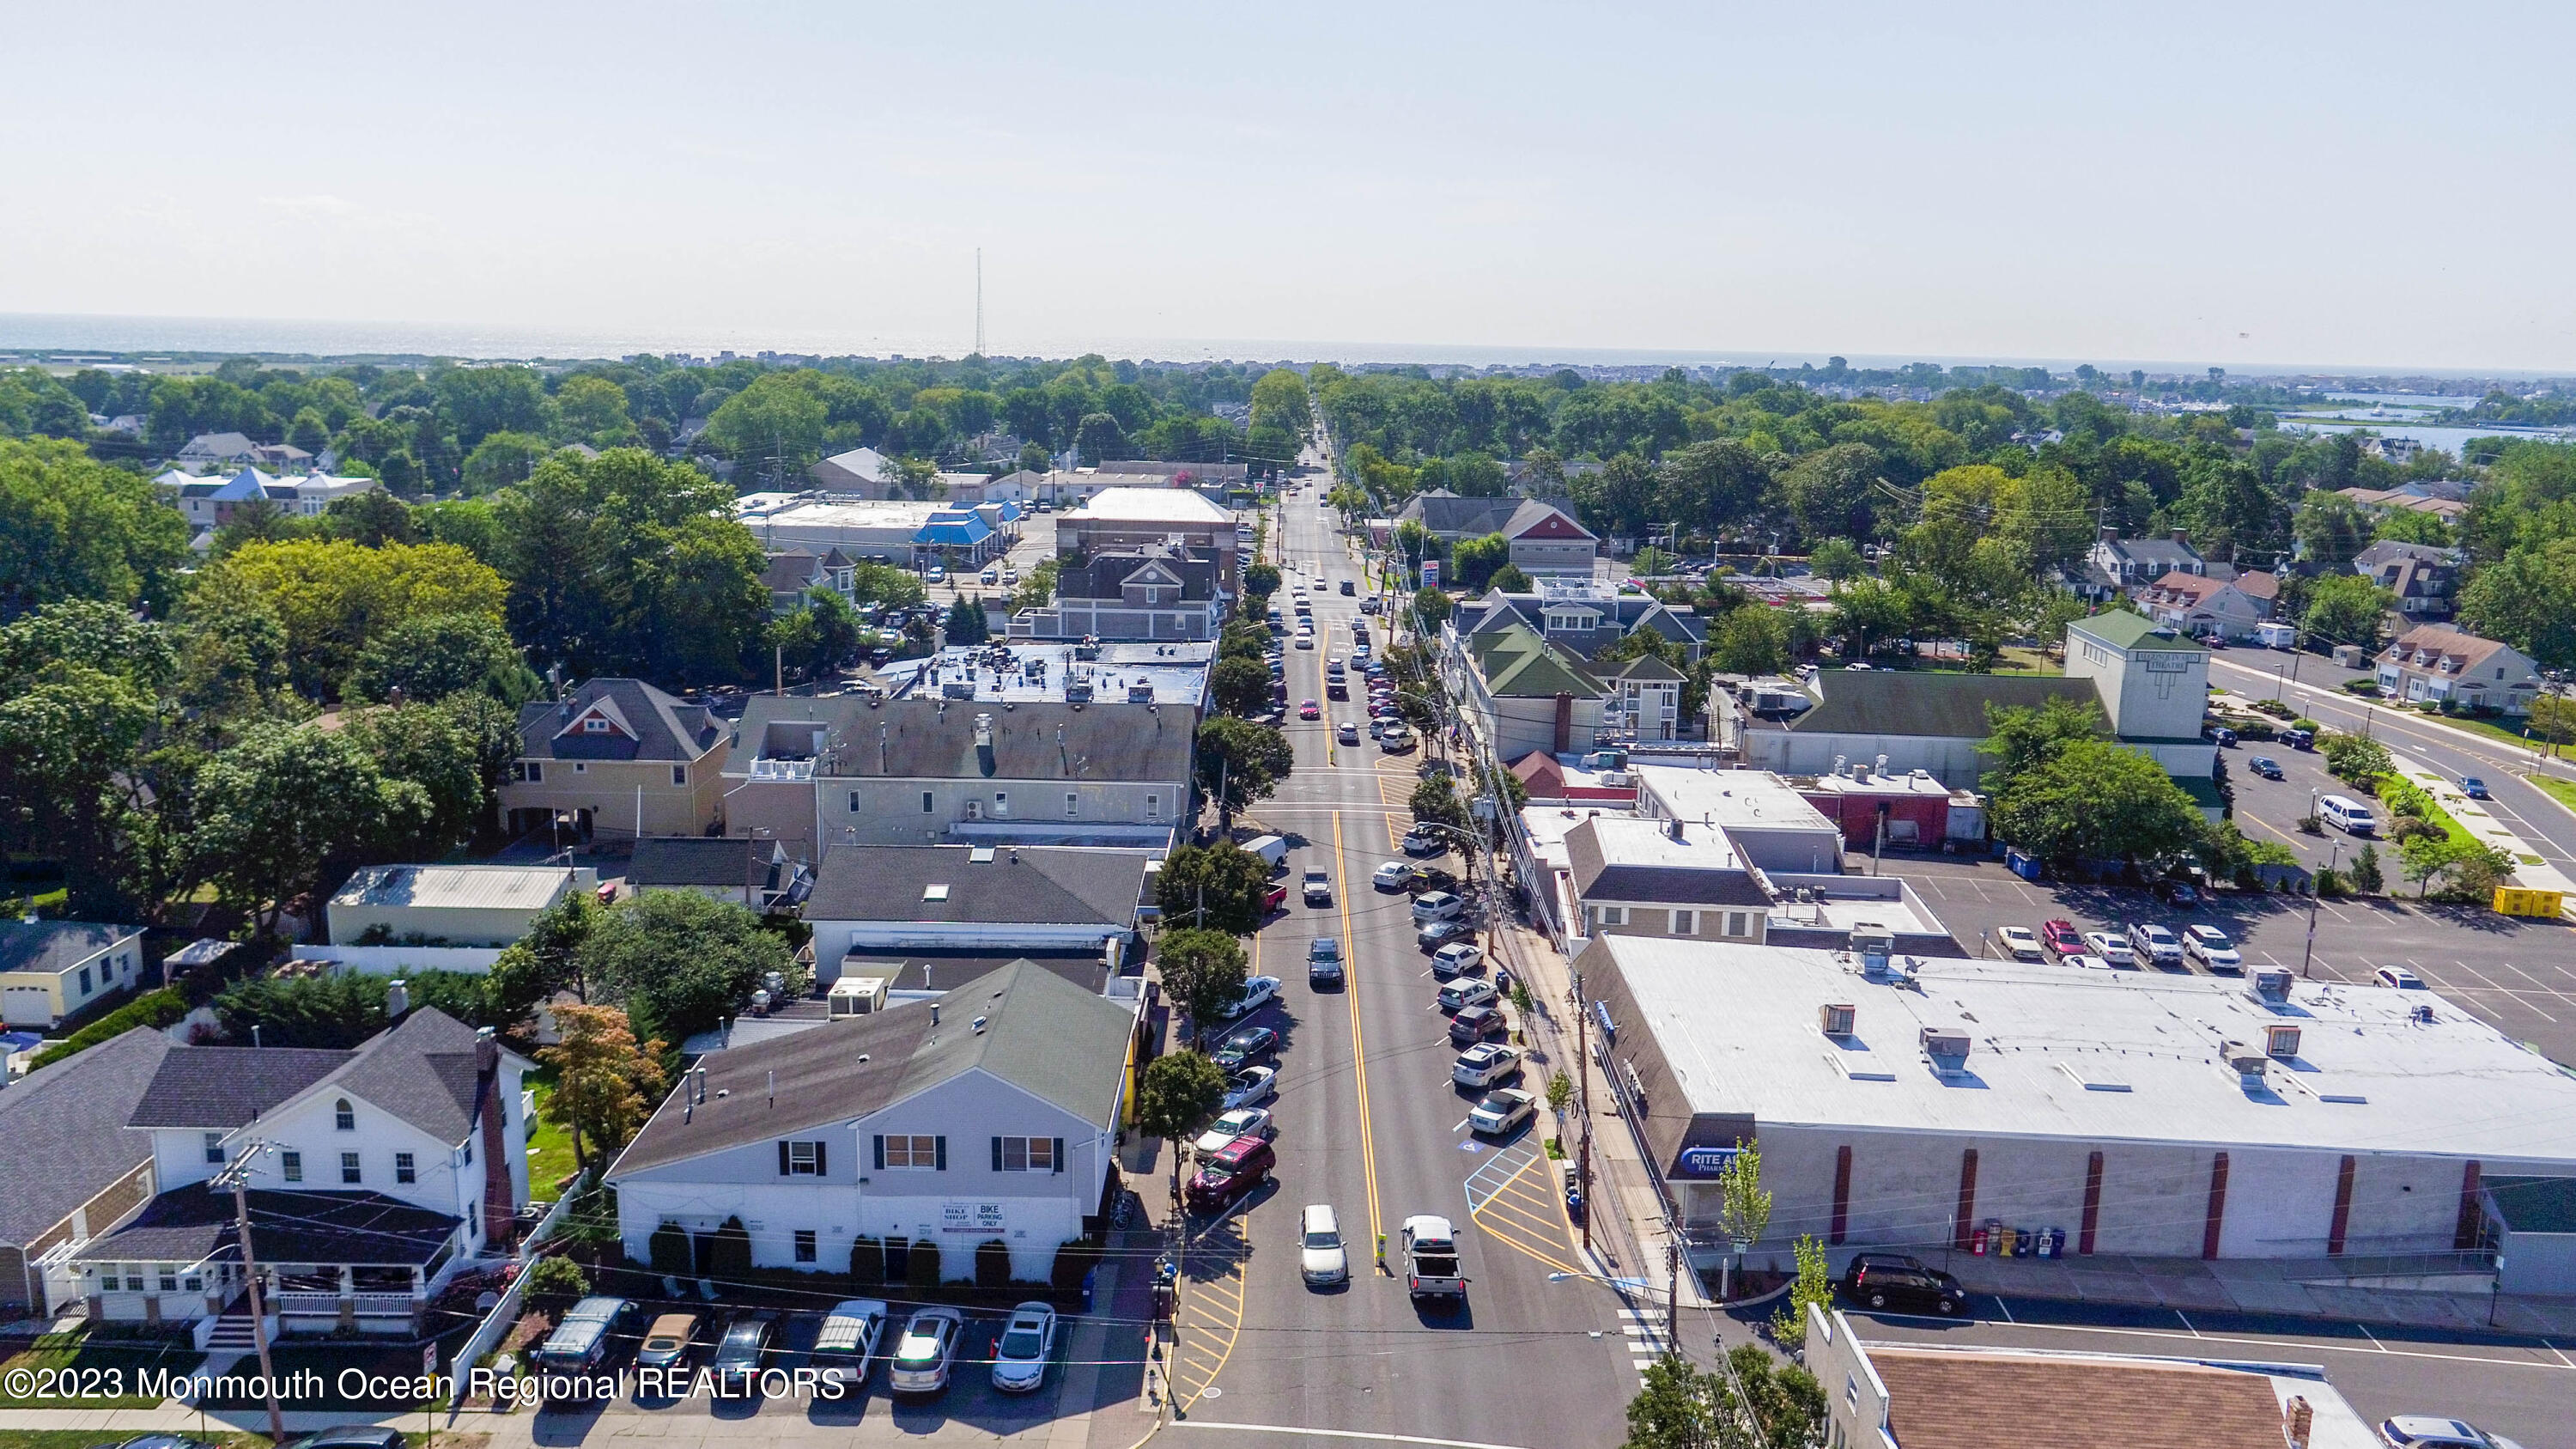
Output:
x=1247 y=1046
x=1890 y=1280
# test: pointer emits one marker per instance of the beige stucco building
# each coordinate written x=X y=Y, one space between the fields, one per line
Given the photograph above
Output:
x=617 y=757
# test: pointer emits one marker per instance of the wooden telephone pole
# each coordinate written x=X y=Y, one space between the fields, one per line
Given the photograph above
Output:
x=236 y=1175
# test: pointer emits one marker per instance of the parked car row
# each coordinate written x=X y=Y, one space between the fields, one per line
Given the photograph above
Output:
x=2139 y=942
x=853 y=1335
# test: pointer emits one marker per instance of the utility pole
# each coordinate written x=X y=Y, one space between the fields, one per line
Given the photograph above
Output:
x=1583 y=1075
x=236 y=1175
x=1673 y=1294
x=2308 y=952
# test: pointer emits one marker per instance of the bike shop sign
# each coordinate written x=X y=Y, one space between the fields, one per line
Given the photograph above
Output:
x=971 y=1217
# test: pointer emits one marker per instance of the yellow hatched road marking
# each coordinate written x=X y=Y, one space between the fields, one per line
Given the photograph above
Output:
x=1515 y=1222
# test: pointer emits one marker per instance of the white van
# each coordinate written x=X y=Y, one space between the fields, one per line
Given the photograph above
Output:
x=1272 y=850
x=2347 y=814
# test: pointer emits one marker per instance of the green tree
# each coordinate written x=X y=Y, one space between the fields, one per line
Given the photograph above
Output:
x=679 y=961
x=547 y=960
x=772 y=429
x=1261 y=580
x=1218 y=886
x=1511 y=580
x=1783 y=1398
x=1203 y=973
x=1836 y=560
x=1743 y=1203
x=1749 y=640
x=1240 y=762
x=1241 y=686
x=1812 y=1288
x=70 y=733
x=477 y=402
x=1436 y=801
x=2093 y=799
x=2345 y=609
x=436 y=655
x=593 y=410
x=1175 y=1098
x=274 y=805
x=2020 y=740
x=1680 y=1406
x=1868 y=612
x=2528 y=600
x=2423 y=857
x=333 y=597
x=885 y=584
x=2356 y=758
x=2330 y=529
x=1430 y=610
x=2367 y=878
x=503 y=459
x=371 y=519
x=966 y=621
x=1475 y=561
x=835 y=635
x=1828 y=491
x=73 y=528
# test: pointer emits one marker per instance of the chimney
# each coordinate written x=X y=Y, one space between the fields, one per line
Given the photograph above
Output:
x=2298 y=1420
x=1564 y=723
x=397 y=1001
x=934 y=1013
x=500 y=1200
x=2182 y=536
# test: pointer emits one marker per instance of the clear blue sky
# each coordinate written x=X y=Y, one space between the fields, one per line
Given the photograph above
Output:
x=2235 y=184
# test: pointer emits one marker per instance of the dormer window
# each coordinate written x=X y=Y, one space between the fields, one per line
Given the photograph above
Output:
x=594 y=725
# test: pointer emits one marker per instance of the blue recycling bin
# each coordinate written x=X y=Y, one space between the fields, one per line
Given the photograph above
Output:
x=1090 y=1281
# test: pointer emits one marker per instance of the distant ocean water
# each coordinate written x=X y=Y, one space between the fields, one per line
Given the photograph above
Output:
x=78 y=332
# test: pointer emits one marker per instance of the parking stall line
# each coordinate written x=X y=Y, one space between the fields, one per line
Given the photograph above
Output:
x=2559 y=992
x=2506 y=991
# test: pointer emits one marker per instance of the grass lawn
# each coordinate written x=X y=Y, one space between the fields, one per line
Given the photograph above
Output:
x=2562 y=791
x=2511 y=735
x=549 y=1144
x=116 y=1360
x=84 y=1438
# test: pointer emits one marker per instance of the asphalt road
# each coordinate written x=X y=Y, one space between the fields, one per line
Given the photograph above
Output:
x=1370 y=1124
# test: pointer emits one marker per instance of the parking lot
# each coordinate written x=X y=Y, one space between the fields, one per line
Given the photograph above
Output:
x=2519 y=975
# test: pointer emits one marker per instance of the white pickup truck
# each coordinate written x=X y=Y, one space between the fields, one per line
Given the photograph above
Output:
x=1431 y=1259
x=1319 y=888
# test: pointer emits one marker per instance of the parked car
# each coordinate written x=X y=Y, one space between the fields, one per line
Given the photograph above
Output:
x=585 y=1339
x=1321 y=1259
x=1324 y=961
x=1241 y=1122
x=2223 y=737
x=2265 y=766
x=1258 y=992
x=744 y=1350
x=1027 y=1342
x=1397 y=740
x=1252 y=1084
x=848 y=1340
x=1243 y=1048
x=2083 y=962
x=2018 y=941
x=2299 y=739
x=2159 y=946
x=1418 y=841
x=1502 y=1112
x=1457 y=996
x=2182 y=895
x=1891 y=1280
x=2112 y=949
x=1475 y=1024
x=1428 y=878
x=1392 y=876
x=1456 y=959
x=2209 y=946
x=2061 y=938
x=1437 y=936
x=1230 y=1174
x=1438 y=906
x=2473 y=787
x=926 y=1352
x=338 y=1436
x=2429 y=1431
x=668 y=1341
x=2398 y=978
x=1484 y=1064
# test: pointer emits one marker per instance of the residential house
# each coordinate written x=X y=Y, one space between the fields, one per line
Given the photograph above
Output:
x=990 y=768
x=2424 y=579
x=2203 y=606
x=207 y=452
x=1545 y=538
x=872 y=899
x=616 y=757
x=2437 y=662
x=453 y=905
x=1580 y=617
x=793 y=573
x=1123 y=519
x=1525 y=693
x=988 y=1115
x=52 y=970
x=2445 y=499
x=79 y=1169
x=1145 y=594
x=209 y=503
x=858 y=473
x=372 y=1174
x=2118 y=564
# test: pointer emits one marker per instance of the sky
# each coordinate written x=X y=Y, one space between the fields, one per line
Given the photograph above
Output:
x=2230 y=184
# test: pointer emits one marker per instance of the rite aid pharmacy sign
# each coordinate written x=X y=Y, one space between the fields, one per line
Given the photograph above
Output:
x=1705 y=1161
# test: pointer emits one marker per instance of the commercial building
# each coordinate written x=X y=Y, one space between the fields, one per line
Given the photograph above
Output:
x=1525 y=694
x=1545 y=538
x=449 y=905
x=986 y=1116
x=50 y=970
x=1661 y=878
x=2438 y=662
x=872 y=899
x=1908 y=811
x=1123 y=519
x=1769 y=822
x=1579 y=616
x=1909 y=1103
x=616 y=757
x=1141 y=595
x=2205 y=607
x=898 y=531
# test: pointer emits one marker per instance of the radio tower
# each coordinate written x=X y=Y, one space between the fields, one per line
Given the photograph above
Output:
x=979 y=301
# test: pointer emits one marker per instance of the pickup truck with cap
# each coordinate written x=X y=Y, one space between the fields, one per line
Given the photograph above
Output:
x=1431 y=1260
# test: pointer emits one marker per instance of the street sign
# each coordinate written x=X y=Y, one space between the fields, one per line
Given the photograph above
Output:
x=1431 y=573
x=429 y=1359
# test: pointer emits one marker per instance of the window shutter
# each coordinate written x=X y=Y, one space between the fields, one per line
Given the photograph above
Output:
x=997 y=1154
x=880 y=1141
x=939 y=1150
x=782 y=1159
x=821 y=1168
x=1059 y=1154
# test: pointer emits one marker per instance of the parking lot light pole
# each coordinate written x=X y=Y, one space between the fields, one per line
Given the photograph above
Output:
x=2308 y=952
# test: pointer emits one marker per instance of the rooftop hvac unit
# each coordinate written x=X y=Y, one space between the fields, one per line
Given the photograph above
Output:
x=2272 y=987
x=1939 y=1041
x=1837 y=1020
x=2281 y=1040
x=2245 y=1061
x=857 y=996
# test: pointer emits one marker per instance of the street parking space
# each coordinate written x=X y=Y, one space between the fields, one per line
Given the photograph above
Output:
x=2518 y=975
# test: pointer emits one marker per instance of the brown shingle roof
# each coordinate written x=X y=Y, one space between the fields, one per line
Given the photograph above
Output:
x=1951 y=1400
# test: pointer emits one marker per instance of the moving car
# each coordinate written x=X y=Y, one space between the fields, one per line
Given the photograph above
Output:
x=2110 y=948
x=1892 y=1280
x=1455 y=959
x=1347 y=732
x=1229 y=1174
x=1348 y=587
x=1392 y=875
x=1258 y=992
x=1305 y=641
x=1252 y=1084
x=2159 y=946
x=2473 y=787
x=935 y=573
x=2019 y=942
x=1431 y=1259
x=1028 y=1341
x=847 y=1341
x=1371 y=605
x=2398 y=978
x=1457 y=996
x=1247 y=1046
x=1502 y=1111
x=1308 y=709
x=2429 y=1431
x=1321 y=1258
x=1241 y=1122
x=1438 y=906
x=2209 y=946
x=1318 y=888
x=2061 y=938
x=744 y=1350
x=926 y=1352
x=1484 y=1064
x=1475 y=1024
x=1324 y=961
x=667 y=1342
x=2265 y=766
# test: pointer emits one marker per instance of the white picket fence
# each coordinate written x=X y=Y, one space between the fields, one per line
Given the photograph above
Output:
x=496 y=1324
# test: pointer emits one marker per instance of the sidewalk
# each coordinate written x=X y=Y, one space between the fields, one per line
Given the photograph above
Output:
x=2481 y=822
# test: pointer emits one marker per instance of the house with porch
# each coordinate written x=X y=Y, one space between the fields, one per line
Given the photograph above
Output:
x=2202 y=605
x=70 y=1117
x=372 y=1174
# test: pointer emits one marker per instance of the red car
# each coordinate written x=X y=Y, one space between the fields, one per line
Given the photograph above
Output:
x=1310 y=710
x=2061 y=938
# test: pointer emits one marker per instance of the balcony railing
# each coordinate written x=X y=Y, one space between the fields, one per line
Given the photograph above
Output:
x=327 y=1305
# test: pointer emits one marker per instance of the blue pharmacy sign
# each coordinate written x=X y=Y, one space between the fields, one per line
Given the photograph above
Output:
x=1705 y=1161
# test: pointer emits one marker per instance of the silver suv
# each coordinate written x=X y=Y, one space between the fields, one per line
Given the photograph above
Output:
x=2155 y=944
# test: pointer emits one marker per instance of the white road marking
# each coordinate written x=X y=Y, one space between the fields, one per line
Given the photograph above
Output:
x=1302 y=1430
x=2374 y=1338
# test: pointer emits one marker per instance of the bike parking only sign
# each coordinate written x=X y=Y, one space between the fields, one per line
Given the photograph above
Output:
x=971 y=1217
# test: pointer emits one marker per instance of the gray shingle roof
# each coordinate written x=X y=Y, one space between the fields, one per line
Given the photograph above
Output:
x=222 y=1087
x=55 y=946
x=70 y=1118
x=1445 y=513
x=665 y=728
x=1020 y=885
x=1600 y=879
x=1950 y=706
x=421 y=1070
x=1041 y=1033
x=189 y=1224
x=667 y=861
x=929 y=739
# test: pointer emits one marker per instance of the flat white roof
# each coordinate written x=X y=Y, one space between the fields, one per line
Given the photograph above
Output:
x=457 y=887
x=2095 y=1055
x=1152 y=505
x=1842 y=912
x=856 y=513
x=1734 y=799
x=1628 y=840
x=1176 y=672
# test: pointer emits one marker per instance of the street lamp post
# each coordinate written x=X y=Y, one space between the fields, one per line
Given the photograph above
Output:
x=2308 y=952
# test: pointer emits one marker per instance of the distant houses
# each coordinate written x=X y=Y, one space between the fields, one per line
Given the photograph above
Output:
x=2435 y=663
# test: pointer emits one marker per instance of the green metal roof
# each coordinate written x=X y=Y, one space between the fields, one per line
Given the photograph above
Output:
x=2124 y=630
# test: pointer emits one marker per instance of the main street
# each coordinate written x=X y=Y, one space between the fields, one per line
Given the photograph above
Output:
x=1369 y=1122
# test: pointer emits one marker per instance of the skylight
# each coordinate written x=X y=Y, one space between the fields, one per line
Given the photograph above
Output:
x=934 y=892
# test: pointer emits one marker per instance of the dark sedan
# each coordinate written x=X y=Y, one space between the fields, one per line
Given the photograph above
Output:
x=1243 y=1048
x=744 y=1351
